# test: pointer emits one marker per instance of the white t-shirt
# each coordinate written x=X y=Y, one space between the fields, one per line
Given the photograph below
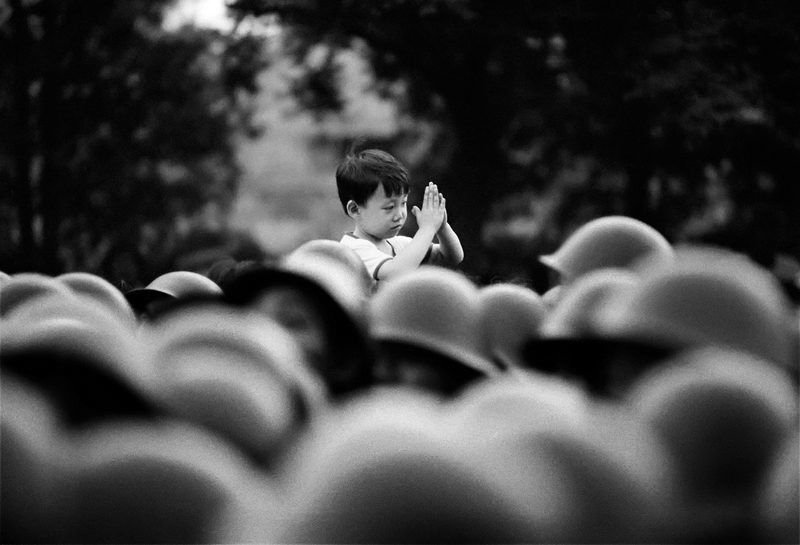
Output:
x=372 y=257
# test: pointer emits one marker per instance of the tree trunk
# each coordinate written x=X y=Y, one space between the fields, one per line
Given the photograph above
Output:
x=52 y=175
x=22 y=191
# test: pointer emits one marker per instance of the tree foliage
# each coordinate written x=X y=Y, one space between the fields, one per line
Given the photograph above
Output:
x=116 y=133
x=680 y=112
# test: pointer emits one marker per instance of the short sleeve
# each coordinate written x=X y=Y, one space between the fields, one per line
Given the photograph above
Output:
x=372 y=257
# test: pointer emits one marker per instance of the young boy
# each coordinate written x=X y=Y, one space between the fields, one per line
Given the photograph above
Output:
x=373 y=189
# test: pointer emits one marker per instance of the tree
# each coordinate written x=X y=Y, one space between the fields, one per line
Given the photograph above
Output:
x=458 y=62
x=115 y=133
x=668 y=110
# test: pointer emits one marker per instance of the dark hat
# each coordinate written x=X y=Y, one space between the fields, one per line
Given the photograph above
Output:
x=605 y=366
x=350 y=352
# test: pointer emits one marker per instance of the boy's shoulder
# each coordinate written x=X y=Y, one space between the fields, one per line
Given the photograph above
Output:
x=366 y=249
x=349 y=239
x=397 y=241
x=359 y=245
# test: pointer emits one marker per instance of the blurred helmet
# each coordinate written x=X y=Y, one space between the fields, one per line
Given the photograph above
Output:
x=574 y=314
x=393 y=477
x=337 y=277
x=25 y=287
x=151 y=484
x=184 y=284
x=200 y=342
x=601 y=478
x=552 y=296
x=383 y=411
x=4 y=277
x=338 y=251
x=778 y=499
x=610 y=241
x=526 y=400
x=435 y=309
x=724 y=262
x=90 y=371
x=175 y=285
x=508 y=316
x=56 y=308
x=722 y=414
x=705 y=300
x=241 y=376
x=243 y=406
x=99 y=289
x=29 y=438
x=335 y=341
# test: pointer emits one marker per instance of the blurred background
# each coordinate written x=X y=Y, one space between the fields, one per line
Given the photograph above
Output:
x=139 y=137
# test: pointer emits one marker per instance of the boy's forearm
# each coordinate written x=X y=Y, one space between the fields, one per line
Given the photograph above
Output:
x=450 y=245
x=410 y=257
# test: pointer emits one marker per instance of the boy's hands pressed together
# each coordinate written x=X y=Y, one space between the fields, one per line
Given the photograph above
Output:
x=433 y=214
x=431 y=224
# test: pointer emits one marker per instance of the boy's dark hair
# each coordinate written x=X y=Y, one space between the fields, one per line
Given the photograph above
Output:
x=359 y=174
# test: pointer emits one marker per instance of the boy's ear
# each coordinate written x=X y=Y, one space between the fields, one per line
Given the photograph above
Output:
x=352 y=208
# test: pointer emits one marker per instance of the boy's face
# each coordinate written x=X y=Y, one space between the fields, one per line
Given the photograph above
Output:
x=381 y=216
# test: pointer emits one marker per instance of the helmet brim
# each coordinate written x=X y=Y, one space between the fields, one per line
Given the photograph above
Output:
x=591 y=357
x=550 y=261
x=139 y=299
x=453 y=351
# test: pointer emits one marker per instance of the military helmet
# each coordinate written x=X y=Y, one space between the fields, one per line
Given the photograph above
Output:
x=610 y=241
